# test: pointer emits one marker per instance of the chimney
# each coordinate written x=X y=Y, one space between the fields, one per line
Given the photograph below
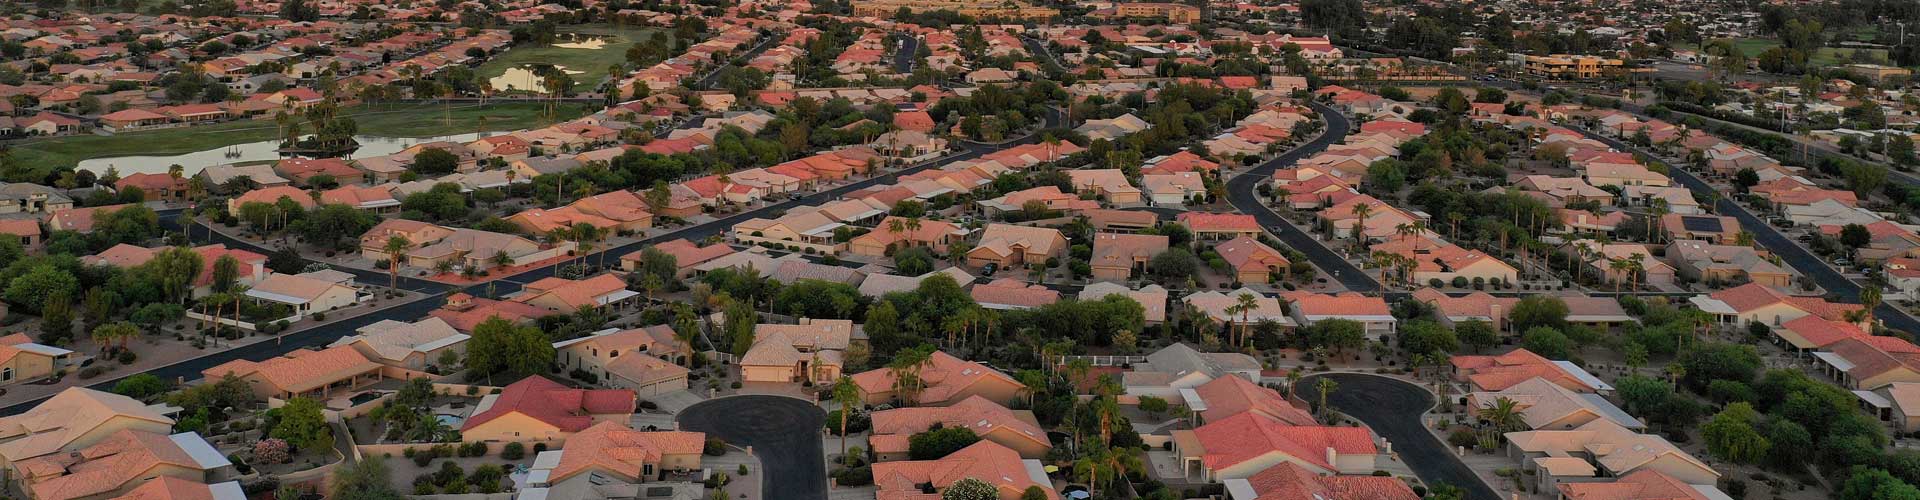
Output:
x=1333 y=458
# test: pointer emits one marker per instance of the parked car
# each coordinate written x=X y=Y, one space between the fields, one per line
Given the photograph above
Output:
x=989 y=269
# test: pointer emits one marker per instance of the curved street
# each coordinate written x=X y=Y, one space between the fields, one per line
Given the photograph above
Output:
x=1392 y=408
x=1240 y=193
x=784 y=433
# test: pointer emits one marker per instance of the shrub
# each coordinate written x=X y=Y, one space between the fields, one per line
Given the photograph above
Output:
x=584 y=376
x=91 y=372
x=736 y=384
x=422 y=459
x=715 y=447
x=743 y=469
x=127 y=356
x=649 y=405
x=539 y=447
x=1463 y=437
x=271 y=451
x=857 y=476
x=515 y=451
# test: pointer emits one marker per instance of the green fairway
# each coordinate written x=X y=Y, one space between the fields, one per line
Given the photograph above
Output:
x=1826 y=56
x=399 y=120
x=587 y=66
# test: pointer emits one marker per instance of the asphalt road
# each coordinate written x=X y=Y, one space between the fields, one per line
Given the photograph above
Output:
x=1240 y=192
x=322 y=335
x=1766 y=235
x=784 y=433
x=903 y=59
x=1392 y=408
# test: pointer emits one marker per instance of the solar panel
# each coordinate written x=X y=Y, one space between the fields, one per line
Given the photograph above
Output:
x=1701 y=224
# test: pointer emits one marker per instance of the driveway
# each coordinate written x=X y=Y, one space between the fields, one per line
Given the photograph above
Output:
x=784 y=433
x=1392 y=408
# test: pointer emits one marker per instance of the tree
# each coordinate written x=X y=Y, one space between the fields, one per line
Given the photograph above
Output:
x=1423 y=336
x=1538 y=312
x=510 y=351
x=364 y=479
x=1503 y=415
x=1476 y=333
x=1337 y=335
x=1731 y=436
x=302 y=425
x=32 y=290
x=1547 y=342
x=1719 y=361
x=847 y=395
x=226 y=273
x=396 y=249
x=970 y=489
x=328 y=224
x=1855 y=236
x=937 y=443
x=141 y=386
x=1174 y=265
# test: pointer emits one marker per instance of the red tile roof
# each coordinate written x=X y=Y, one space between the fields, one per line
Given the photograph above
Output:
x=567 y=409
x=1247 y=436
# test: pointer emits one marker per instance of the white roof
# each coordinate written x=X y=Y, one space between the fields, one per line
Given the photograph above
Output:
x=42 y=349
x=1194 y=402
x=1581 y=373
x=202 y=453
x=1240 y=489
x=1838 y=363
x=616 y=296
x=1712 y=305
x=284 y=299
x=229 y=490
x=1874 y=398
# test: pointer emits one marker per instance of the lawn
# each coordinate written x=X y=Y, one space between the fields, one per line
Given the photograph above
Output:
x=590 y=63
x=399 y=120
x=1827 y=56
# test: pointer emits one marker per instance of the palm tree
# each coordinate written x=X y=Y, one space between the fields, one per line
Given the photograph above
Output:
x=501 y=259
x=396 y=248
x=906 y=367
x=1326 y=385
x=1618 y=265
x=847 y=395
x=1503 y=415
x=1870 y=297
x=1360 y=212
x=1246 y=303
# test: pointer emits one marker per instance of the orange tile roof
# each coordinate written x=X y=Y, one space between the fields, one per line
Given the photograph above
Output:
x=1206 y=222
x=1232 y=395
x=567 y=409
x=301 y=370
x=169 y=488
x=1495 y=373
x=615 y=448
x=975 y=413
x=1288 y=481
x=1247 y=436
x=574 y=293
x=106 y=466
x=1753 y=296
x=945 y=376
x=1639 y=485
x=985 y=460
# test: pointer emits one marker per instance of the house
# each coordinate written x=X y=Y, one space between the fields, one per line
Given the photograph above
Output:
x=1548 y=405
x=1152 y=298
x=465 y=311
x=1562 y=191
x=21 y=197
x=1716 y=229
x=307 y=172
x=22 y=359
x=1607 y=449
x=1723 y=264
x=646 y=360
x=1251 y=261
x=1010 y=293
x=271 y=196
x=1240 y=446
x=1116 y=257
x=169 y=487
x=413 y=346
x=73 y=419
x=1007 y=245
x=1371 y=312
x=1171 y=372
x=536 y=409
x=686 y=255
x=812 y=351
x=306 y=294
x=1221 y=306
x=1288 y=481
x=155 y=187
x=986 y=460
x=1226 y=397
x=376 y=199
x=119 y=463
x=1870 y=362
x=303 y=373
x=1640 y=485
x=1499 y=372
x=1015 y=429
x=944 y=380
x=1212 y=226
x=1476 y=306
x=1898 y=402
x=606 y=290
x=1172 y=189
x=1437 y=261
x=609 y=453
x=1754 y=302
x=895 y=233
x=1108 y=184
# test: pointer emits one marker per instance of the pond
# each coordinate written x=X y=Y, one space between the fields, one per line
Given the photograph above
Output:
x=252 y=152
x=525 y=77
